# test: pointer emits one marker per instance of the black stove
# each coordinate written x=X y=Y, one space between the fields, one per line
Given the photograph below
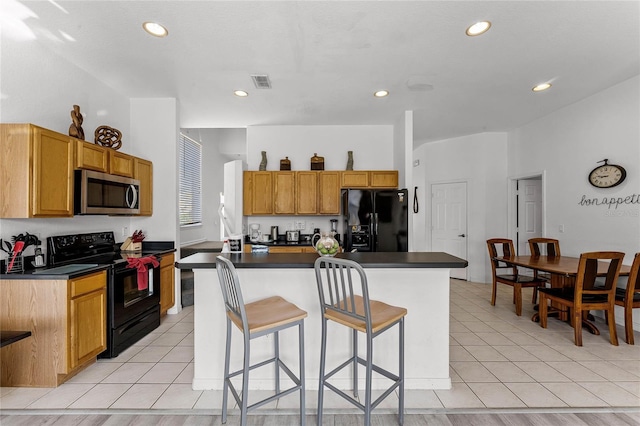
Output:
x=133 y=295
x=98 y=247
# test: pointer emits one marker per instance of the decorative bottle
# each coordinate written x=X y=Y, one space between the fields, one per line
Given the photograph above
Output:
x=263 y=163
x=349 y=160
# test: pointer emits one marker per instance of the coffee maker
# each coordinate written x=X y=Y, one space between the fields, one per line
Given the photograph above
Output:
x=254 y=232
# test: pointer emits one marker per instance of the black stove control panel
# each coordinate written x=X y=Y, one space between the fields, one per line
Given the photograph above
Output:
x=77 y=247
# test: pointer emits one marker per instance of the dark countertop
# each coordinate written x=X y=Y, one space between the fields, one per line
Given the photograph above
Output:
x=41 y=273
x=204 y=246
x=9 y=337
x=280 y=243
x=306 y=260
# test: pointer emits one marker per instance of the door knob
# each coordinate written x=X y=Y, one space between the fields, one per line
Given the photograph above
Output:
x=461 y=235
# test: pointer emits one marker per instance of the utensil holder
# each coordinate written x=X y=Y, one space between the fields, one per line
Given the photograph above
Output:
x=17 y=267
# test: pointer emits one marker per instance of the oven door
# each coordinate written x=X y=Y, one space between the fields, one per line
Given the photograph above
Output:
x=130 y=297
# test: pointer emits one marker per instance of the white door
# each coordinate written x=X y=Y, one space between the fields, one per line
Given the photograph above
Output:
x=449 y=222
x=529 y=213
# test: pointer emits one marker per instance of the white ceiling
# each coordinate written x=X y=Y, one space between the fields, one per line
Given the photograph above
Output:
x=326 y=58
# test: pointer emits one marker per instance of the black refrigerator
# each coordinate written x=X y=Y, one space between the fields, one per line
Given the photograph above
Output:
x=375 y=220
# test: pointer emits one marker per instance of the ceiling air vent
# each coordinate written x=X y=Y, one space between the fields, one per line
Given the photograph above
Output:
x=261 y=81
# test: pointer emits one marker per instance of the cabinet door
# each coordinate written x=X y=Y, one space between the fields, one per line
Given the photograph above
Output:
x=87 y=317
x=258 y=195
x=284 y=193
x=167 y=283
x=91 y=156
x=52 y=190
x=144 y=173
x=121 y=164
x=275 y=249
x=355 y=179
x=329 y=193
x=307 y=192
x=384 y=179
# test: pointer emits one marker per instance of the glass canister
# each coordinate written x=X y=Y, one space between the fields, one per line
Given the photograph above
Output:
x=325 y=244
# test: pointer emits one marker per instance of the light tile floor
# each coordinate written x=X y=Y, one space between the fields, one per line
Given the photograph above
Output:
x=498 y=360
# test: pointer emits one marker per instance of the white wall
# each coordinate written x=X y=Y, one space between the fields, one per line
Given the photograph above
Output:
x=567 y=145
x=481 y=161
x=372 y=146
x=41 y=88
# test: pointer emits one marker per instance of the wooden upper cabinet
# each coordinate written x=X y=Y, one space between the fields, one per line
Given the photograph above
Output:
x=355 y=179
x=369 y=179
x=258 y=193
x=384 y=179
x=144 y=173
x=121 y=164
x=91 y=156
x=36 y=171
x=329 y=189
x=284 y=192
x=307 y=192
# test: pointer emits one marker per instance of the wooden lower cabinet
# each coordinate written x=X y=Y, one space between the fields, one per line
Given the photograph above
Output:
x=87 y=318
x=284 y=249
x=68 y=322
x=167 y=283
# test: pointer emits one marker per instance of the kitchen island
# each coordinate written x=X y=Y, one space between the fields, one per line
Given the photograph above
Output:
x=418 y=282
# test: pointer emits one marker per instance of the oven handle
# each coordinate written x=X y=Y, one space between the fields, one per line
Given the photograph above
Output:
x=130 y=326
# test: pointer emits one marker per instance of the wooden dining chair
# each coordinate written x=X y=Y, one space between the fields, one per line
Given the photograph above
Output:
x=587 y=294
x=502 y=247
x=629 y=298
x=549 y=247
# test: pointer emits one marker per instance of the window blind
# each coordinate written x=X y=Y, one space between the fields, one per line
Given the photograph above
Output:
x=190 y=181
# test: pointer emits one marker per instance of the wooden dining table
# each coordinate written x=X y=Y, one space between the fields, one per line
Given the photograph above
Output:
x=563 y=271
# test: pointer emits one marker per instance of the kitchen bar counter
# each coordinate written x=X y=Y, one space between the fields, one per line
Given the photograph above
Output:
x=306 y=260
x=417 y=281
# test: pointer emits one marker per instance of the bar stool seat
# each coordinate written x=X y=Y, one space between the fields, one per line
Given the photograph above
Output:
x=382 y=315
x=344 y=299
x=256 y=319
x=268 y=313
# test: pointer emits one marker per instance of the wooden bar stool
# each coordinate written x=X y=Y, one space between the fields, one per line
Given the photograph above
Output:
x=344 y=299
x=256 y=319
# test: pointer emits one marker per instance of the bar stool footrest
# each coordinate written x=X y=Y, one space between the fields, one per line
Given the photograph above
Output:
x=377 y=369
x=283 y=366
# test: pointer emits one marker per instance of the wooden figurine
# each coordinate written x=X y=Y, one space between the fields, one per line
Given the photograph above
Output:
x=75 y=129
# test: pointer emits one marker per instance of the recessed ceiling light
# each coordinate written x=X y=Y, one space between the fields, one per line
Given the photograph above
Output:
x=478 y=28
x=155 y=29
x=240 y=93
x=541 y=87
x=381 y=93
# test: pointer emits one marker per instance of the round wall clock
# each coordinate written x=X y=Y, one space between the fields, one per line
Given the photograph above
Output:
x=607 y=175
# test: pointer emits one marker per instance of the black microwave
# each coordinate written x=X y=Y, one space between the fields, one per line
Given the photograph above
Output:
x=102 y=193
